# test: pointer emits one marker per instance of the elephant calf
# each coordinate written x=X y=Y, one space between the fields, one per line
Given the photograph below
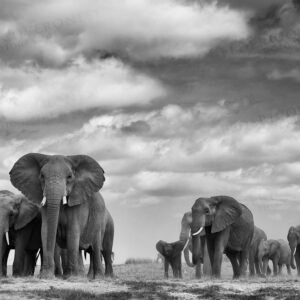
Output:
x=172 y=254
x=278 y=252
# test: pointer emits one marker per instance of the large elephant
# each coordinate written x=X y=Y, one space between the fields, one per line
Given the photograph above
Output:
x=172 y=254
x=229 y=229
x=73 y=211
x=184 y=237
x=254 y=261
x=20 y=222
x=278 y=252
x=294 y=242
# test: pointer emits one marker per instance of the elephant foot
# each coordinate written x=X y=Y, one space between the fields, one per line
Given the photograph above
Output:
x=45 y=274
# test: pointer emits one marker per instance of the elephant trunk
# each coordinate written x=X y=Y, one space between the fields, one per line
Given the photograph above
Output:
x=293 y=250
x=2 y=250
x=53 y=200
x=197 y=226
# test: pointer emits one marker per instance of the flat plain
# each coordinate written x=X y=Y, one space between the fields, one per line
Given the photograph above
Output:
x=146 y=281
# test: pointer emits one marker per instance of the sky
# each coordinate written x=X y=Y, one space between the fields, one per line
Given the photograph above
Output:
x=176 y=99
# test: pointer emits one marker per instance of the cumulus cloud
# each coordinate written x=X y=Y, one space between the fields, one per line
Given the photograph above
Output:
x=140 y=29
x=49 y=93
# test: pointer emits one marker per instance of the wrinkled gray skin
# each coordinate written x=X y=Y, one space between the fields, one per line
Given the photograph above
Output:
x=294 y=242
x=21 y=219
x=78 y=224
x=172 y=254
x=278 y=251
x=185 y=238
x=255 y=266
x=228 y=228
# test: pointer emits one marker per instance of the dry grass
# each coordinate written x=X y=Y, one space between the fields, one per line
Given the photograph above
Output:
x=145 y=281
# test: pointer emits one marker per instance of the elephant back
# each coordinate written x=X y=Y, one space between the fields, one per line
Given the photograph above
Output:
x=241 y=231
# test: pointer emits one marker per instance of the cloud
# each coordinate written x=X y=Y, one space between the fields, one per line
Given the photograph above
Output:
x=82 y=86
x=140 y=29
x=293 y=74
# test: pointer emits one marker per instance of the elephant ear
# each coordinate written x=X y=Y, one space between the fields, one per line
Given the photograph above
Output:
x=27 y=212
x=89 y=178
x=24 y=175
x=159 y=247
x=228 y=210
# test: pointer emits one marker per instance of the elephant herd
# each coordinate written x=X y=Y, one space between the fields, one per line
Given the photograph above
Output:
x=59 y=214
x=222 y=225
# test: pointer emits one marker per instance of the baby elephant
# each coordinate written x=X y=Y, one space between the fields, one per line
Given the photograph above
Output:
x=278 y=251
x=172 y=255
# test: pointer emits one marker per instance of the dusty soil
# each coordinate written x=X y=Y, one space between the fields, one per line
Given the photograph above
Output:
x=145 y=281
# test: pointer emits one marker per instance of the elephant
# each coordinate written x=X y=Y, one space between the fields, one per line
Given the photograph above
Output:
x=278 y=251
x=107 y=247
x=172 y=254
x=185 y=238
x=254 y=262
x=228 y=228
x=294 y=242
x=73 y=211
x=21 y=224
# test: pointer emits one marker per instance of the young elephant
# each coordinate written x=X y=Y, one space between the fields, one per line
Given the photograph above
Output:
x=172 y=254
x=294 y=242
x=258 y=237
x=278 y=252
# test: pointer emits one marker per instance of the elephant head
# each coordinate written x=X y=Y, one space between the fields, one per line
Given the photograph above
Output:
x=214 y=214
x=294 y=239
x=16 y=211
x=52 y=180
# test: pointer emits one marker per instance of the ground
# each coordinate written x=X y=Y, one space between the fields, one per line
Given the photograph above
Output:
x=145 y=281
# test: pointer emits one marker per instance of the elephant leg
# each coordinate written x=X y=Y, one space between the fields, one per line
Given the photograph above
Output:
x=235 y=266
x=198 y=270
x=4 y=260
x=21 y=241
x=275 y=267
x=252 y=263
x=80 y=264
x=91 y=268
x=257 y=267
x=166 y=268
x=243 y=262
x=297 y=259
x=29 y=263
x=72 y=250
x=58 y=269
x=211 y=248
x=221 y=239
x=108 y=263
x=279 y=269
x=98 y=269
x=288 y=268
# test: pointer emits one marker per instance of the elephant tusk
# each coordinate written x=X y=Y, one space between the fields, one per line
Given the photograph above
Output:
x=187 y=241
x=43 y=201
x=295 y=251
x=196 y=233
x=7 y=237
x=65 y=200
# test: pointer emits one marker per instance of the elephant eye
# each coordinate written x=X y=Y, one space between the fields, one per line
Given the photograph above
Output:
x=69 y=177
x=206 y=211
